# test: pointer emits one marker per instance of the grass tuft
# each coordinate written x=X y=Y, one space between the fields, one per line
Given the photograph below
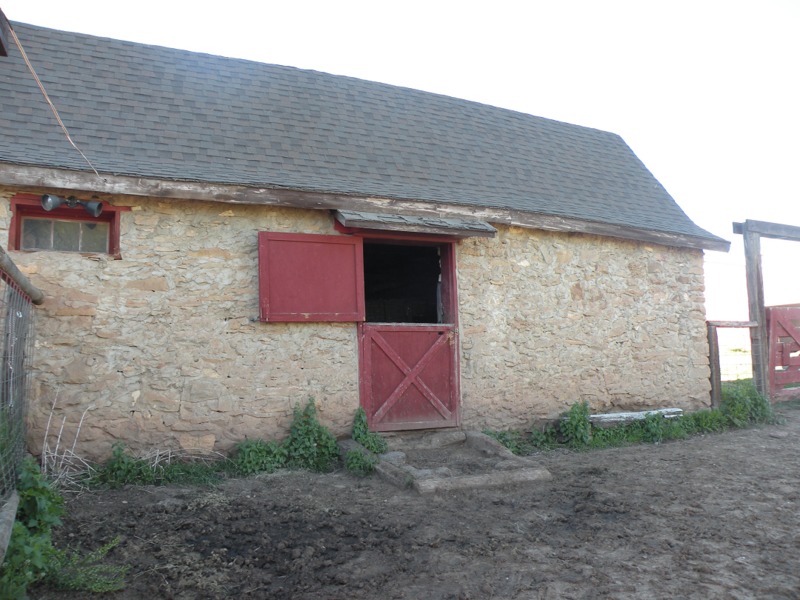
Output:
x=160 y=467
x=742 y=406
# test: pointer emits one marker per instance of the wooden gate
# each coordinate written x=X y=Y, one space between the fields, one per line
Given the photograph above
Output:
x=409 y=376
x=783 y=325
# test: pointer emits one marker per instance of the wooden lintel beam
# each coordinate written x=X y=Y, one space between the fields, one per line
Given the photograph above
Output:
x=733 y=323
x=440 y=231
x=766 y=229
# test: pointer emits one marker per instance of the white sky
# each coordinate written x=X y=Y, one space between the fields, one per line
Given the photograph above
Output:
x=706 y=92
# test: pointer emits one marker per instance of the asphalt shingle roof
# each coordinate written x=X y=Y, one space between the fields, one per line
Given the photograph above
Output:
x=169 y=114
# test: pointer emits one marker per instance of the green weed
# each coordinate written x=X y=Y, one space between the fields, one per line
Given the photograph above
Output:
x=40 y=506
x=743 y=405
x=30 y=547
x=543 y=439
x=523 y=444
x=675 y=429
x=575 y=428
x=613 y=437
x=122 y=468
x=687 y=424
x=513 y=440
x=310 y=445
x=258 y=456
x=360 y=463
x=68 y=570
x=652 y=427
x=31 y=557
x=361 y=434
x=26 y=561
x=707 y=421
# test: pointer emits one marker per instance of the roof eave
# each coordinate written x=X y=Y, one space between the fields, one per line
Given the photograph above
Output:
x=47 y=178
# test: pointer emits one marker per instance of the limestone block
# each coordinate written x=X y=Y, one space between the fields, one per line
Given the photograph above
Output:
x=205 y=397
x=106 y=333
x=190 y=423
x=158 y=402
x=197 y=442
x=79 y=370
x=72 y=311
x=218 y=253
x=150 y=284
x=146 y=220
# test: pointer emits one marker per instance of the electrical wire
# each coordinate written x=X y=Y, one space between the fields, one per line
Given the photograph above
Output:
x=49 y=102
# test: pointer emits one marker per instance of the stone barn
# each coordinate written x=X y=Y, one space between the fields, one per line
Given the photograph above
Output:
x=241 y=237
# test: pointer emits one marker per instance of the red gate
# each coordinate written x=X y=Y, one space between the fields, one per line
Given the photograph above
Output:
x=409 y=376
x=783 y=324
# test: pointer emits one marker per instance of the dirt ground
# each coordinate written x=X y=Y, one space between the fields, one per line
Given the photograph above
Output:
x=716 y=516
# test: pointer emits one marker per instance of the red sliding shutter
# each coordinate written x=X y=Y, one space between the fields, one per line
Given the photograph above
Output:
x=305 y=277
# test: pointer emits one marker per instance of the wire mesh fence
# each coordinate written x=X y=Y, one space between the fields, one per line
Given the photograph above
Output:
x=16 y=333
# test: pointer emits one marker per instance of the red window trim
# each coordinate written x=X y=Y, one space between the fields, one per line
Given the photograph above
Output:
x=27 y=205
x=287 y=291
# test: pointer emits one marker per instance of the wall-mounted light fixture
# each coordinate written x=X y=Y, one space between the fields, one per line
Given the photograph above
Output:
x=51 y=202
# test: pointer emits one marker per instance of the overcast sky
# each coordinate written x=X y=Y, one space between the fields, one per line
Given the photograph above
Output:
x=707 y=93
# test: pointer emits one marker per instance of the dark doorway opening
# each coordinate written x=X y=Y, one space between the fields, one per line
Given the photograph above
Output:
x=402 y=283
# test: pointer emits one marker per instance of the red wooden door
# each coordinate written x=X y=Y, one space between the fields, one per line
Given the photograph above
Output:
x=783 y=323
x=409 y=376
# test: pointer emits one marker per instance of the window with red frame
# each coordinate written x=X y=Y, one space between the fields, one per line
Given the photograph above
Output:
x=63 y=229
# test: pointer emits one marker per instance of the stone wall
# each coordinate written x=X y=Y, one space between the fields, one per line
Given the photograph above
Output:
x=163 y=349
x=561 y=318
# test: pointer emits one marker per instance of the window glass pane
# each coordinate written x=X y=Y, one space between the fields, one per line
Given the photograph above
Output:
x=66 y=235
x=94 y=237
x=69 y=236
x=36 y=234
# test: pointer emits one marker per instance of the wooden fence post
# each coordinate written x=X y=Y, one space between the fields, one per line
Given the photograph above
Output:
x=713 y=363
x=755 y=300
x=713 y=355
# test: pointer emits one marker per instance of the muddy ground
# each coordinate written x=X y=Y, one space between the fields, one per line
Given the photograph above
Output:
x=711 y=517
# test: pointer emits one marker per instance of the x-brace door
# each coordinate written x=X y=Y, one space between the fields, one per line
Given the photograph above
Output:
x=783 y=324
x=409 y=378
